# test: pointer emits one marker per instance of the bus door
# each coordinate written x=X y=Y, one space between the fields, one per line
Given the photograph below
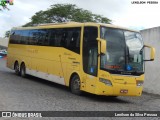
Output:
x=90 y=58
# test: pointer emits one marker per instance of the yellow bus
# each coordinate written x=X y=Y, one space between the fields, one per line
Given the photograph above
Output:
x=101 y=59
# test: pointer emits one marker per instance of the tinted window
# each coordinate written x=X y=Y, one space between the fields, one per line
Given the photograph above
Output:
x=33 y=37
x=52 y=37
x=42 y=37
x=24 y=37
x=67 y=37
x=15 y=37
x=58 y=37
x=12 y=36
x=71 y=39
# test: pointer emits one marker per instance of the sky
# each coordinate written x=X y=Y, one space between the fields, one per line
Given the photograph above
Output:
x=121 y=12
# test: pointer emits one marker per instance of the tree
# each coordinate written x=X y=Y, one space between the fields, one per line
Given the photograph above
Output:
x=4 y=5
x=7 y=33
x=64 y=13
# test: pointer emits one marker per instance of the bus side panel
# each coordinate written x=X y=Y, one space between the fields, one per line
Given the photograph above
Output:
x=46 y=63
x=70 y=63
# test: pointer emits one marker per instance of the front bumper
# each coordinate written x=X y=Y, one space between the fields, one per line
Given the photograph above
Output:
x=118 y=90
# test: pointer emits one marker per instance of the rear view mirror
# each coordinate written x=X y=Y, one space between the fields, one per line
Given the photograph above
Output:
x=103 y=45
x=152 y=53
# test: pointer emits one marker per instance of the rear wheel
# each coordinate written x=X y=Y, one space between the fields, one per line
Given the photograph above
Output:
x=23 y=70
x=16 y=68
x=75 y=85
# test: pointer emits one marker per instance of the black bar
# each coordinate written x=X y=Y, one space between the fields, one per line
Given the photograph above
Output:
x=79 y=113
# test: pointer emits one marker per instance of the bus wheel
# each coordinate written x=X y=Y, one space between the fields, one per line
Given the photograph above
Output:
x=16 y=68
x=23 y=70
x=75 y=85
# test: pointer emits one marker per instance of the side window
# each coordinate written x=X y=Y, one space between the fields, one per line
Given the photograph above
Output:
x=65 y=33
x=17 y=36
x=41 y=37
x=58 y=37
x=32 y=37
x=46 y=38
x=52 y=37
x=73 y=41
x=24 y=37
x=12 y=36
x=90 y=50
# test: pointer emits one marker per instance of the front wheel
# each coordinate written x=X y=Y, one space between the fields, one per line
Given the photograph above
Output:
x=75 y=85
x=23 y=70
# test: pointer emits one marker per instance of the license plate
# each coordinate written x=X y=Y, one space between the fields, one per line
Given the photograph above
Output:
x=124 y=91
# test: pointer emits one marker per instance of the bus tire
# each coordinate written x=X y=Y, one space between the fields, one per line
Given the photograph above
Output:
x=23 y=70
x=16 y=68
x=75 y=85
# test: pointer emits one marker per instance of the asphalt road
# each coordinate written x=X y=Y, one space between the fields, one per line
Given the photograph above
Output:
x=34 y=94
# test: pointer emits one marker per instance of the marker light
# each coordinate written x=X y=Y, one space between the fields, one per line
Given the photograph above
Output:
x=105 y=81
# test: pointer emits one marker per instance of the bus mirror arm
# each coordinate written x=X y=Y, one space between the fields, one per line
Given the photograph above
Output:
x=103 y=45
x=152 y=52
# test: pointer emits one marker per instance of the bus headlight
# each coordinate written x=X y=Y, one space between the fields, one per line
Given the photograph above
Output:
x=139 y=83
x=105 y=81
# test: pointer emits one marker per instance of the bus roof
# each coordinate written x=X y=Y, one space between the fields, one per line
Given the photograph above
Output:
x=71 y=24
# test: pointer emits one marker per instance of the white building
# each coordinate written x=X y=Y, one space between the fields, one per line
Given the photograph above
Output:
x=152 y=69
x=4 y=42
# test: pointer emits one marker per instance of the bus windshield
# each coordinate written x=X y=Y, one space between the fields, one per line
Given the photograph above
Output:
x=124 y=51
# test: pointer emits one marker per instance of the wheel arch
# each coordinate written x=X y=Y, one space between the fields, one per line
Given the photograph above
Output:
x=16 y=61
x=72 y=75
x=22 y=63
